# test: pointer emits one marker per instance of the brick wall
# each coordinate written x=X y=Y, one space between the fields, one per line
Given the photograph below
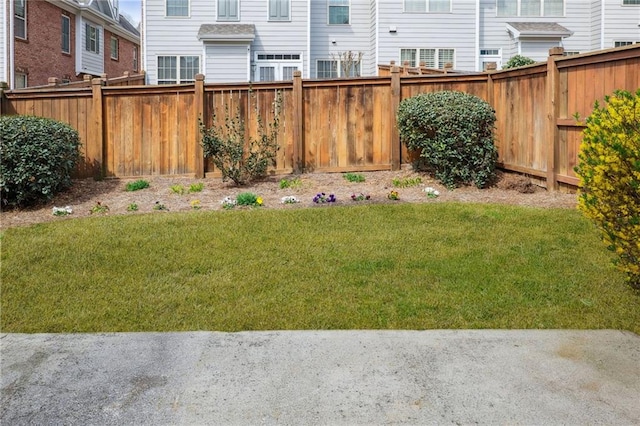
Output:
x=40 y=55
x=117 y=67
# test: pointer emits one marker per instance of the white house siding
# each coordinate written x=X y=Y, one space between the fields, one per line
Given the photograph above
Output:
x=493 y=33
x=172 y=36
x=596 y=24
x=354 y=37
x=4 y=36
x=90 y=63
x=454 y=30
x=226 y=63
x=621 y=23
x=372 y=69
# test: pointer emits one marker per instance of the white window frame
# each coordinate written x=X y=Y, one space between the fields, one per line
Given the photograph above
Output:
x=180 y=78
x=135 y=58
x=228 y=18
x=117 y=49
x=278 y=17
x=91 y=44
x=427 y=7
x=339 y=70
x=488 y=55
x=540 y=15
x=436 y=56
x=338 y=3
x=166 y=8
x=17 y=17
x=66 y=48
x=22 y=77
x=622 y=43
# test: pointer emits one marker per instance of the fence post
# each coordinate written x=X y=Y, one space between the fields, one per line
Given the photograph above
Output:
x=553 y=80
x=95 y=144
x=198 y=99
x=491 y=68
x=393 y=109
x=53 y=81
x=3 y=86
x=298 y=124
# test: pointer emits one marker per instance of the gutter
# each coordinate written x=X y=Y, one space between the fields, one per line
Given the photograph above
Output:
x=10 y=77
x=477 y=53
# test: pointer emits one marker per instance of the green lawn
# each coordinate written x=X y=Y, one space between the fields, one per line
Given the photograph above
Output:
x=403 y=266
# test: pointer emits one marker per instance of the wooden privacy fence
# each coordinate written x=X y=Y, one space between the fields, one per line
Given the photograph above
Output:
x=334 y=125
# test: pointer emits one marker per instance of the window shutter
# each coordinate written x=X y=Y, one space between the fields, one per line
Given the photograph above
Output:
x=87 y=37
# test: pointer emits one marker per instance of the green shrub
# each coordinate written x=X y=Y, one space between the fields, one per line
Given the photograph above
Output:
x=38 y=156
x=178 y=189
x=609 y=172
x=406 y=182
x=453 y=132
x=518 y=61
x=137 y=185
x=238 y=159
x=290 y=183
x=353 y=177
x=248 y=199
x=196 y=187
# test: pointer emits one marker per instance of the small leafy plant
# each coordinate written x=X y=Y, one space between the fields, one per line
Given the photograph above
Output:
x=137 y=185
x=353 y=177
x=360 y=197
x=228 y=203
x=99 y=208
x=290 y=183
x=159 y=206
x=178 y=189
x=289 y=199
x=133 y=207
x=393 y=195
x=431 y=192
x=196 y=205
x=62 y=211
x=196 y=187
x=406 y=182
x=249 y=199
x=322 y=198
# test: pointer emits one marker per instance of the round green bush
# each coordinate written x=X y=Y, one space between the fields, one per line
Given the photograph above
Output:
x=453 y=132
x=609 y=172
x=38 y=156
x=518 y=61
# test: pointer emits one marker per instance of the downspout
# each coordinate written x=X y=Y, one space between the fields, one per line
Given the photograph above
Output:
x=377 y=36
x=307 y=71
x=10 y=77
x=5 y=38
x=477 y=54
x=602 y=13
x=143 y=41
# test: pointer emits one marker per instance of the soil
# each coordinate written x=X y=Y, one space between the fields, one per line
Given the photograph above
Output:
x=86 y=193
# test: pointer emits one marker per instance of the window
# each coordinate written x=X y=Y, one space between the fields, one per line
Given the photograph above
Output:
x=228 y=10
x=335 y=68
x=570 y=53
x=427 y=5
x=624 y=43
x=177 y=7
x=530 y=7
x=279 y=10
x=339 y=12
x=168 y=72
x=114 y=48
x=432 y=58
x=20 y=18
x=267 y=73
x=135 y=58
x=276 y=66
x=20 y=80
x=92 y=38
x=630 y=2
x=66 y=34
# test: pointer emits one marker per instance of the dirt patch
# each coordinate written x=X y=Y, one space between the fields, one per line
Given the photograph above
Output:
x=86 y=193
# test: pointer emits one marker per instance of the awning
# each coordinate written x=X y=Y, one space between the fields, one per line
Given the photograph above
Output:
x=227 y=32
x=538 y=30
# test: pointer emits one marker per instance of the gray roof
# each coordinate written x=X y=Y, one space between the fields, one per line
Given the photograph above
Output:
x=124 y=23
x=538 y=29
x=227 y=32
x=104 y=7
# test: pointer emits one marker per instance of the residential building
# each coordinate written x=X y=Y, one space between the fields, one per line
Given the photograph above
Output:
x=258 y=40
x=66 y=39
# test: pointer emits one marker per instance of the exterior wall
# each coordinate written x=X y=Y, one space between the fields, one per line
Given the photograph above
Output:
x=40 y=56
x=91 y=62
x=354 y=37
x=227 y=63
x=179 y=35
x=596 y=24
x=620 y=22
x=427 y=30
x=116 y=68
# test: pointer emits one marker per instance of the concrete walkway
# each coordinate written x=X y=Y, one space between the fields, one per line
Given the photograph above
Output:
x=322 y=377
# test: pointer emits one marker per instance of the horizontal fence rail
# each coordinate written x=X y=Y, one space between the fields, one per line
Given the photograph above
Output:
x=333 y=125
